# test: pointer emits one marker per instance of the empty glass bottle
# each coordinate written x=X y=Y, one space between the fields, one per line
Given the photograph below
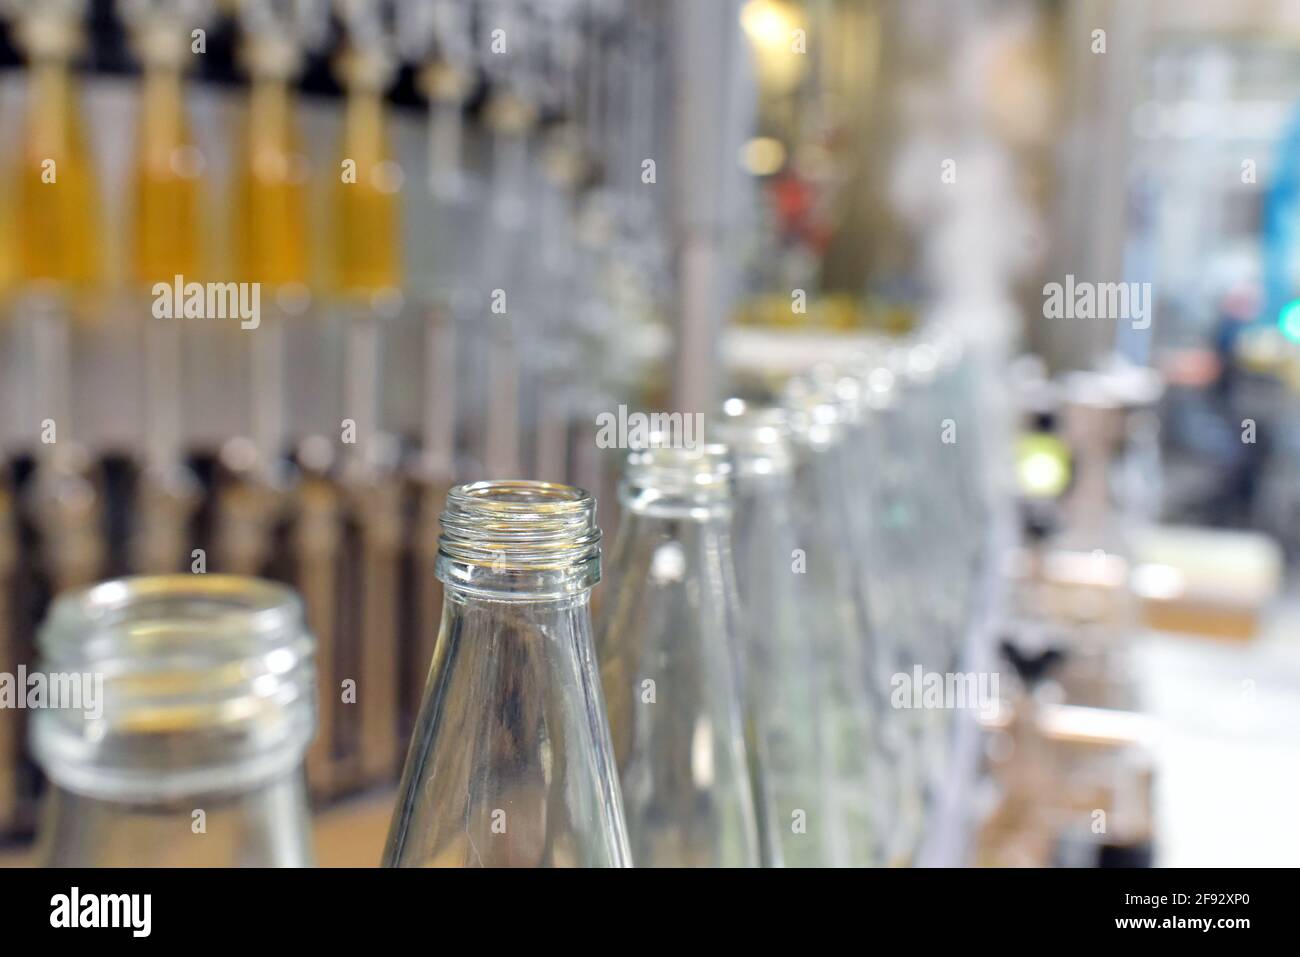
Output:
x=916 y=550
x=184 y=741
x=781 y=685
x=668 y=662
x=884 y=491
x=863 y=762
x=510 y=764
x=920 y=550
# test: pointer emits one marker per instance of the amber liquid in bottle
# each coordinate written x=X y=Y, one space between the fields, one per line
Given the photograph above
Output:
x=56 y=206
x=367 y=250
x=271 y=231
x=167 y=229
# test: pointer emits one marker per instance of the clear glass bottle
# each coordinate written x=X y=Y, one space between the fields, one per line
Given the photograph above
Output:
x=891 y=482
x=922 y=534
x=667 y=644
x=781 y=683
x=510 y=764
x=865 y=759
x=913 y=552
x=196 y=709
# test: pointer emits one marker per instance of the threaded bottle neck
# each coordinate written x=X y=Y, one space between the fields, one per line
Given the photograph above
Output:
x=758 y=437
x=690 y=483
x=519 y=540
x=192 y=684
x=817 y=418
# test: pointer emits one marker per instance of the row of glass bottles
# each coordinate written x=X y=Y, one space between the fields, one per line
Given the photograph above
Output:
x=547 y=123
x=728 y=712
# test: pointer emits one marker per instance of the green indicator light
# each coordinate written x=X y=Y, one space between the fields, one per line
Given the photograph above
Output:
x=1042 y=465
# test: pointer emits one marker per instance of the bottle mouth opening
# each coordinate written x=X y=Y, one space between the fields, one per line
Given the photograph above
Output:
x=189 y=608
x=694 y=481
x=522 y=496
x=758 y=435
x=816 y=418
x=512 y=526
x=173 y=683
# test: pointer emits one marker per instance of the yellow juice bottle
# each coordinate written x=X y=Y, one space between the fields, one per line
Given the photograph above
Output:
x=367 y=247
x=55 y=203
x=167 y=228
x=271 y=228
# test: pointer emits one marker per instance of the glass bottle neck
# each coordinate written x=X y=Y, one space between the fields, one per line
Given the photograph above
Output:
x=669 y=628
x=510 y=763
x=691 y=484
x=266 y=826
x=190 y=685
x=458 y=600
x=519 y=542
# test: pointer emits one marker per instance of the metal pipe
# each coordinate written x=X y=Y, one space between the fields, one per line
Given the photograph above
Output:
x=707 y=116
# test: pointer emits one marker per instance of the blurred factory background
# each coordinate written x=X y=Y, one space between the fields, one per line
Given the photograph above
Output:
x=479 y=225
